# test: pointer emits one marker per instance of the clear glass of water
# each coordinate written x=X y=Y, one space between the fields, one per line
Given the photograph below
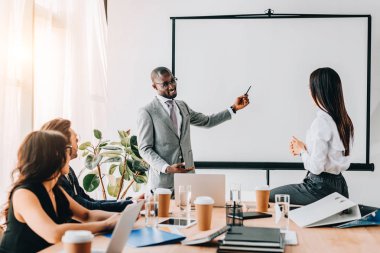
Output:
x=235 y=193
x=282 y=202
x=151 y=210
x=184 y=192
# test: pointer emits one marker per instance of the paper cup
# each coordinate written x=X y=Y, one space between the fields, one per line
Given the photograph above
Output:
x=262 y=198
x=163 y=201
x=77 y=241
x=204 y=212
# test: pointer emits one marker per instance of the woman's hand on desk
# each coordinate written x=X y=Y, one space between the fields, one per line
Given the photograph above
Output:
x=111 y=222
x=296 y=146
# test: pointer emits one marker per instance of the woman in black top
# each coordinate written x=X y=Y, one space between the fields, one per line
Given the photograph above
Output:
x=38 y=208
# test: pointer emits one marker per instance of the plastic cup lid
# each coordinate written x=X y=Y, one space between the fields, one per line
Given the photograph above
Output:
x=204 y=200
x=262 y=188
x=162 y=191
x=77 y=236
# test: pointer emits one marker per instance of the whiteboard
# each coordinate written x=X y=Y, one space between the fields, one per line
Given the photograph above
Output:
x=217 y=59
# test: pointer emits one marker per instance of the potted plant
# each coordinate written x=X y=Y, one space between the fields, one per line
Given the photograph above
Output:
x=104 y=158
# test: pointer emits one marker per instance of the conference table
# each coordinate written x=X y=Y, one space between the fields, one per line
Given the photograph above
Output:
x=325 y=239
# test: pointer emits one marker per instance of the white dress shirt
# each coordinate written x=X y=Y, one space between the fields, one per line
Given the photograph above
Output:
x=325 y=150
x=179 y=119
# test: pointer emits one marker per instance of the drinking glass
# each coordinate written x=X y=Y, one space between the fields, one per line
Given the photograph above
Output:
x=151 y=210
x=184 y=192
x=235 y=193
x=282 y=202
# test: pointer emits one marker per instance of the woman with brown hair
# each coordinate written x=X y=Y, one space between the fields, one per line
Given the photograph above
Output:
x=69 y=182
x=328 y=143
x=37 y=208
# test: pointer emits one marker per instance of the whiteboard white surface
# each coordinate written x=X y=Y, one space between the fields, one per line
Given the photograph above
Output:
x=217 y=60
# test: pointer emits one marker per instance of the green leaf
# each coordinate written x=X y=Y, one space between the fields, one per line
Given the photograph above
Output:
x=134 y=146
x=110 y=155
x=92 y=162
x=128 y=150
x=128 y=174
x=88 y=162
x=140 y=179
x=113 y=189
x=139 y=166
x=121 y=168
x=103 y=144
x=129 y=163
x=91 y=182
x=112 y=160
x=113 y=152
x=84 y=145
x=121 y=134
x=125 y=142
x=97 y=134
x=85 y=153
x=112 y=169
x=112 y=148
x=97 y=160
x=136 y=187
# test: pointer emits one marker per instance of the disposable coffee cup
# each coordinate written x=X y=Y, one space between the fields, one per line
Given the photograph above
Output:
x=262 y=198
x=163 y=196
x=77 y=241
x=204 y=206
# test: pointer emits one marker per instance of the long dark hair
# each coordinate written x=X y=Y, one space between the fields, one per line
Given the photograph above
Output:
x=326 y=90
x=41 y=157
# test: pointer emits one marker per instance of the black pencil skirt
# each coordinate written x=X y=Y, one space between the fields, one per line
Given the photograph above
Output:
x=313 y=188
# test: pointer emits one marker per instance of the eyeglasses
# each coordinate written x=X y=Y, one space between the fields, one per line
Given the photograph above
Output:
x=70 y=148
x=167 y=83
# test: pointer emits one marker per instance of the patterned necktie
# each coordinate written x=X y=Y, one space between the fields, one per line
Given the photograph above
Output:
x=173 y=116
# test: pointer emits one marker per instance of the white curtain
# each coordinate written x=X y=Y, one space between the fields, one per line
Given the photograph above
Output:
x=16 y=33
x=53 y=64
x=70 y=63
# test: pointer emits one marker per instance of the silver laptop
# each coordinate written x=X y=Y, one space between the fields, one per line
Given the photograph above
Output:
x=212 y=185
x=123 y=228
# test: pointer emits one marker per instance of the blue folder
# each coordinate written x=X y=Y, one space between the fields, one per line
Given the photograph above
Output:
x=371 y=219
x=151 y=236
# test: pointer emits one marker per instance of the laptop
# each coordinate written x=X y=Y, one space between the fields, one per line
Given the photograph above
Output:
x=122 y=229
x=212 y=185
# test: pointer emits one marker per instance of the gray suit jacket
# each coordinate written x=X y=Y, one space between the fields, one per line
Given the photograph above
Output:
x=160 y=144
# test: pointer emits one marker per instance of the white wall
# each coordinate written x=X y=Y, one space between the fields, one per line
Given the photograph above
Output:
x=140 y=39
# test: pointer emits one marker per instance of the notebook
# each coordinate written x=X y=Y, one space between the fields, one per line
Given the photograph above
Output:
x=234 y=248
x=254 y=237
x=205 y=239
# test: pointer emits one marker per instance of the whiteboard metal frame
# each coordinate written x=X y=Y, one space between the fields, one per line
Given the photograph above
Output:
x=367 y=166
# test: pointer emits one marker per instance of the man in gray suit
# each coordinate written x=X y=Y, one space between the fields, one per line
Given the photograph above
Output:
x=163 y=133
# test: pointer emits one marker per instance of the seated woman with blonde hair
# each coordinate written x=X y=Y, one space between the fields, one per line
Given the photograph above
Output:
x=37 y=208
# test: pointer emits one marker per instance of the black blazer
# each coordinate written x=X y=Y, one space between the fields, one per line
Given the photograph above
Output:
x=83 y=199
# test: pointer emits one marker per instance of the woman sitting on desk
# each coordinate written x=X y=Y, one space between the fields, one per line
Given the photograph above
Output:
x=328 y=143
x=37 y=207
